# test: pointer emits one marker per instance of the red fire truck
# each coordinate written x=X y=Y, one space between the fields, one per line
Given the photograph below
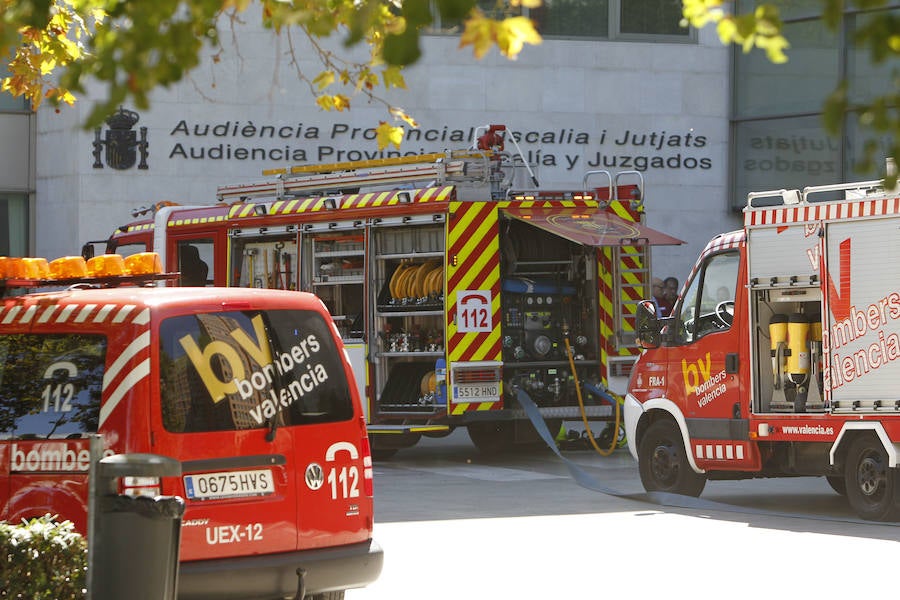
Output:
x=450 y=289
x=248 y=389
x=780 y=358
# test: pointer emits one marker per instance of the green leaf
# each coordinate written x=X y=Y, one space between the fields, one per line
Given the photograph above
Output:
x=455 y=10
x=402 y=49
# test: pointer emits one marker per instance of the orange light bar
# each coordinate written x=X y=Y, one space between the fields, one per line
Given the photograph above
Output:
x=106 y=265
x=68 y=267
x=11 y=268
x=143 y=263
x=36 y=268
x=24 y=268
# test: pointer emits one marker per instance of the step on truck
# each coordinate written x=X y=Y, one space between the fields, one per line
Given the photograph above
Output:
x=249 y=390
x=781 y=355
x=450 y=286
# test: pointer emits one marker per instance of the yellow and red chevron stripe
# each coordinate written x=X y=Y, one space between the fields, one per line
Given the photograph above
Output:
x=605 y=296
x=633 y=261
x=473 y=263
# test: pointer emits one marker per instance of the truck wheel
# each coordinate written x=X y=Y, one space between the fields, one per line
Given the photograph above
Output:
x=837 y=483
x=873 y=488
x=663 y=463
x=492 y=438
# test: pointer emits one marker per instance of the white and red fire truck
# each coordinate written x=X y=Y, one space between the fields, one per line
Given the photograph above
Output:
x=781 y=356
x=248 y=389
x=451 y=290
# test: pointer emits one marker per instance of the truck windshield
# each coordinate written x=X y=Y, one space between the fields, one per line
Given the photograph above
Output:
x=245 y=370
x=50 y=385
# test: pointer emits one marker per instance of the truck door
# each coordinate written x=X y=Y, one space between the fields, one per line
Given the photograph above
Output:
x=703 y=368
x=196 y=260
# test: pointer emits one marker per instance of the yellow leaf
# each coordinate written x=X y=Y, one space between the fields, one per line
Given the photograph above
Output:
x=386 y=135
x=526 y=3
x=324 y=79
x=515 y=32
x=325 y=102
x=341 y=102
x=399 y=113
x=479 y=32
x=727 y=31
x=65 y=96
x=47 y=65
x=393 y=77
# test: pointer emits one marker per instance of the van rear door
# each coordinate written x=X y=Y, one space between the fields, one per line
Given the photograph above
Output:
x=321 y=413
x=257 y=405
x=217 y=377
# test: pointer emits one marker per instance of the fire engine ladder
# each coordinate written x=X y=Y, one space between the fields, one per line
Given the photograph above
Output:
x=436 y=168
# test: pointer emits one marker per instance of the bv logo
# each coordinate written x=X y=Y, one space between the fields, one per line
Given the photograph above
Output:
x=219 y=350
x=695 y=374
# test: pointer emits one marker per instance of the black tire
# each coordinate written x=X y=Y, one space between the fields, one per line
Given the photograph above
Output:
x=837 y=483
x=873 y=488
x=492 y=438
x=384 y=446
x=663 y=463
x=380 y=454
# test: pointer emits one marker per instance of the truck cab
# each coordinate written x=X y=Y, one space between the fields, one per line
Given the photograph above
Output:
x=781 y=353
x=689 y=370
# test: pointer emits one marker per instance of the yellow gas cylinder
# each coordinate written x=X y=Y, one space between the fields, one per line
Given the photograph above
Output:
x=798 y=344
x=778 y=332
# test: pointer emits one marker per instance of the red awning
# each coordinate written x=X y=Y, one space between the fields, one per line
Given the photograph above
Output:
x=591 y=227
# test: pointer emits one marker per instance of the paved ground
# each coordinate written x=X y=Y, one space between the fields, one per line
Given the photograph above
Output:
x=457 y=525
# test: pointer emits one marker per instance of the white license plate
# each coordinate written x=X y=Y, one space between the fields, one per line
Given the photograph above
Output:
x=476 y=392
x=230 y=484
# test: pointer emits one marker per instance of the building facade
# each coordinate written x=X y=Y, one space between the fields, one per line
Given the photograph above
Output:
x=616 y=87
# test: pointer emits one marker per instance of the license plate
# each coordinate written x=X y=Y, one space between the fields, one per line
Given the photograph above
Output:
x=231 y=484
x=483 y=392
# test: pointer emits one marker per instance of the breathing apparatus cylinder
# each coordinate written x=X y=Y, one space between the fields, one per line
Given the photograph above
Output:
x=798 y=344
x=778 y=332
x=815 y=352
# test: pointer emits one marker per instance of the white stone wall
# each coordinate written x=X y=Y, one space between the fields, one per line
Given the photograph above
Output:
x=660 y=108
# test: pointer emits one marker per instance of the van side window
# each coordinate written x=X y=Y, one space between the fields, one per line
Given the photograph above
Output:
x=50 y=385
x=242 y=370
x=708 y=303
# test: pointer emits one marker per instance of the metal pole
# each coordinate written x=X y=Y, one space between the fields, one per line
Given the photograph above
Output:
x=94 y=494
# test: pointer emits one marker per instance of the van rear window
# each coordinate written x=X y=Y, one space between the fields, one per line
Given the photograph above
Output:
x=250 y=369
x=50 y=385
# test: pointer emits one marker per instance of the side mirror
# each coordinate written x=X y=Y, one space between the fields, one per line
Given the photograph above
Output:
x=648 y=325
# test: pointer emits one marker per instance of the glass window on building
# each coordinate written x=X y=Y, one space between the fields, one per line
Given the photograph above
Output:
x=789 y=153
x=651 y=17
x=599 y=19
x=797 y=86
x=778 y=134
x=572 y=18
x=13 y=224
